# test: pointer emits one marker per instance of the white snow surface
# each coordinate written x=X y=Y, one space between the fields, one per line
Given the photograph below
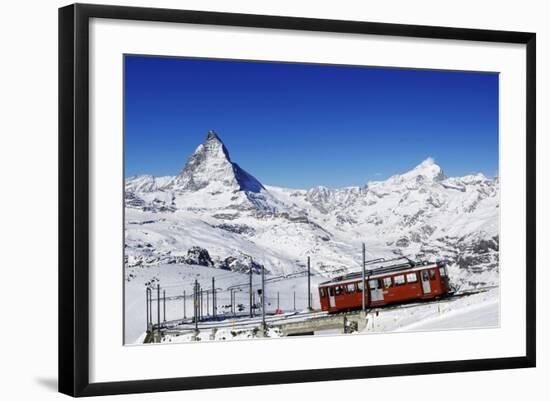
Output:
x=174 y=279
x=217 y=206
x=479 y=310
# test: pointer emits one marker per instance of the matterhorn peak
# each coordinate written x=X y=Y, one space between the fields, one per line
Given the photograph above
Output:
x=212 y=136
x=211 y=166
x=213 y=147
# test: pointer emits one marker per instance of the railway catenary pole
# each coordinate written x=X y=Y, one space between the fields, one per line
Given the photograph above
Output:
x=158 y=305
x=150 y=305
x=308 y=283
x=198 y=303
x=263 y=297
x=250 y=289
x=207 y=303
x=194 y=300
x=213 y=296
x=231 y=301
x=147 y=307
x=363 y=305
x=195 y=305
x=201 y=303
x=294 y=300
x=164 y=305
x=184 y=314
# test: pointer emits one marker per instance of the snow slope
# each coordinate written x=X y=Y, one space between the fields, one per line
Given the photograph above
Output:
x=480 y=310
x=176 y=278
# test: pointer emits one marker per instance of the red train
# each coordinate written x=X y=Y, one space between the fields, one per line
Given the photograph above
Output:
x=392 y=281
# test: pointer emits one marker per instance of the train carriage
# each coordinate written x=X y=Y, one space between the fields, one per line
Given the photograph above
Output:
x=391 y=281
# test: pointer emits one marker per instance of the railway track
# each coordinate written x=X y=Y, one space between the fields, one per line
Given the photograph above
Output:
x=244 y=322
x=447 y=298
x=241 y=322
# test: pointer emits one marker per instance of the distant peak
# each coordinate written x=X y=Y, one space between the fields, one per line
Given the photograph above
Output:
x=481 y=176
x=212 y=136
x=427 y=163
x=428 y=169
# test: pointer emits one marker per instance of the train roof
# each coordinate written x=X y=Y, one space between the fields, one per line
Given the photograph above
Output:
x=380 y=266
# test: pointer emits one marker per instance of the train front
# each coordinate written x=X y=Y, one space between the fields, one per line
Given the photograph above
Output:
x=443 y=278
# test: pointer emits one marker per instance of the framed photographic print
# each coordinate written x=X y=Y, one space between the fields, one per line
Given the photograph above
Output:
x=358 y=195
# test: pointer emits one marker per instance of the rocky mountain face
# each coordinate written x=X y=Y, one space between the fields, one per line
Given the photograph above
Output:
x=215 y=205
x=210 y=180
x=211 y=166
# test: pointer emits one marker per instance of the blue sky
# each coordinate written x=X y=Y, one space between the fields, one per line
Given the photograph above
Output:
x=302 y=125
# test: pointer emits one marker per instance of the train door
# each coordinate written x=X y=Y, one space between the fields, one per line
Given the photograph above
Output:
x=376 y=293
x=331 y=302
x=425 y=277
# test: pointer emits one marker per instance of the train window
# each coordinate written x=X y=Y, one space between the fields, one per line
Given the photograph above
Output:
x=387 y=282
x=424 y=275
x=360 y=286
x=432 y=274
x=338 y=290
x=373 y=284
x=330 y=291
x=399 y=280
x=323 y=294
x=442 y=272
x=351 y=288
x=411 y=278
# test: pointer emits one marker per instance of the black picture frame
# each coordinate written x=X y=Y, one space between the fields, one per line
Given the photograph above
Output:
x=74 y=198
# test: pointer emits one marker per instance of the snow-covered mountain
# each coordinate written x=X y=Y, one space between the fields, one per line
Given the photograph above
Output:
x=216 y=206
x=211 y=167
x=210 y=180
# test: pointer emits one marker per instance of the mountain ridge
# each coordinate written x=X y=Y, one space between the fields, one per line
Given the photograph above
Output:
x=421 y=213
x=428 y=169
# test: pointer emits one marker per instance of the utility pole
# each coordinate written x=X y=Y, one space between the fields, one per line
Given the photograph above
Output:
x=278 y=300
x=150 y=305
x=201 y=304
x=308 y=283
x=213 y=297
x=158 y=306
x=194 y=300
x=195 y=305
x=364 y=282
x=263 y=298
x=231 y=300
x=164 y=305
x=147 y=307
x=207 y=303
x=250 y=289
x=294 y=300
